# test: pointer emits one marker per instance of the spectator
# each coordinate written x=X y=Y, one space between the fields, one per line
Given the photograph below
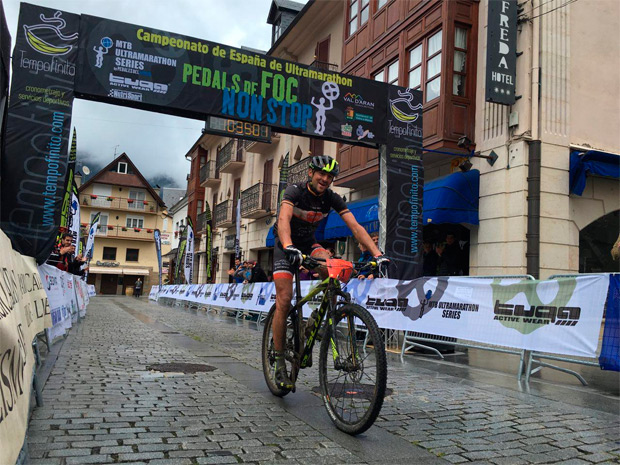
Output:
x=62 y=256
x=258 y=274
x=430 y=260
x=137 y=288
x=236 y=272
x=364 y=257
x=449 y=257
x=306 y=275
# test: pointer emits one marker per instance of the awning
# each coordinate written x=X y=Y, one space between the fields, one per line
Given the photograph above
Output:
x=117 y=270
x=452 y=199
x=270 y=241
x=365 y=211
x=583 y=164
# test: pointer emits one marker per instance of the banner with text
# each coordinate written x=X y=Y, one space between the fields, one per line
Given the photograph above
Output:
x=59 y=298
x=24 y=312
x=144 y=68
x=34 y=162
x=404 y=174
x=561 y=316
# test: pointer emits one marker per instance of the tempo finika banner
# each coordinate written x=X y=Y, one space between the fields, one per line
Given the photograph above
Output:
x=142 y=67
x=24 y=312
x=405 y=183
x=561 y=316
x=34 y=162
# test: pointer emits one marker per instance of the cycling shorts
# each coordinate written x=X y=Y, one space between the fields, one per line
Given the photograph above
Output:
x=282 y=268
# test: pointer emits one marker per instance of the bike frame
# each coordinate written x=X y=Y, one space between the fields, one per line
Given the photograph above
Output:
x=328 y=286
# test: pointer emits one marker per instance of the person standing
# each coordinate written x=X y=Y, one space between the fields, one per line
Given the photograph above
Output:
x=449 y=257
x=137 y=288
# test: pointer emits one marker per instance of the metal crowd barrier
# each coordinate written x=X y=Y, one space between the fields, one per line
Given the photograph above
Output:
x=535 y=357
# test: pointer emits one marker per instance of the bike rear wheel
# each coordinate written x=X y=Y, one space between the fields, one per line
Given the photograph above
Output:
x=269 y=352
x=353 y=378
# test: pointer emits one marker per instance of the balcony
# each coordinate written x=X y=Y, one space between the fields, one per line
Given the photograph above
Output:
x=118 y=203
x=201 y=221
x=298 y=173
x=262 y=148
x=229 y=159
x=121 y=232
x=259 y=200
x=324 y=66
x=210 y=175
x=224 y=217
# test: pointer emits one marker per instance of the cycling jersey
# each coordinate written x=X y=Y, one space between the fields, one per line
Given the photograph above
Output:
x=308 y=210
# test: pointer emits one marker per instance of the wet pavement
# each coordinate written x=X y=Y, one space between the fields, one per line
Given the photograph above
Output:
x=104 y=405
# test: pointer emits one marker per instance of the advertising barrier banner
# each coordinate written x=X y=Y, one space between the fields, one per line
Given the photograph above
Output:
x=55 y=282
x=38 y=128
x=24 y=312
x=561 y=316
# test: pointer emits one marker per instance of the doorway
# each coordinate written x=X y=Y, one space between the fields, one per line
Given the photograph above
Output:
x=108 y=284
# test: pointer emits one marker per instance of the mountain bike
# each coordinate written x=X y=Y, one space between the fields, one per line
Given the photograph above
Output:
x=352 y=360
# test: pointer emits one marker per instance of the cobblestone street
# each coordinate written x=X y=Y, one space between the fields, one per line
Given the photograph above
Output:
x=103 y=404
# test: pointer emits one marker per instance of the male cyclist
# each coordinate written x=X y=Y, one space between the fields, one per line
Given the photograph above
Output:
x=302 y=208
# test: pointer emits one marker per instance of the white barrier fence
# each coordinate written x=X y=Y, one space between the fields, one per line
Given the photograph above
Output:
x=32 y=300
x=561 y=316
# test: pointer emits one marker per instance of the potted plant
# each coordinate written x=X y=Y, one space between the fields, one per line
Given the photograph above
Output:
x=124 y=228
x=150 y=231
x=129 y=200
x=110 y=227
x=109 y=199
x=144 y=202
x=137 y=229
x=93 y=196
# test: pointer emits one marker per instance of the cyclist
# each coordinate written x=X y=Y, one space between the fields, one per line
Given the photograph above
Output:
x=302 y=208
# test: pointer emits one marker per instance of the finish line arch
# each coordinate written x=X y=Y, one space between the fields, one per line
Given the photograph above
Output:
x=60 y=56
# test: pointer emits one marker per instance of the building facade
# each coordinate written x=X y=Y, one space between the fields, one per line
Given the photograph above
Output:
x=130 y=211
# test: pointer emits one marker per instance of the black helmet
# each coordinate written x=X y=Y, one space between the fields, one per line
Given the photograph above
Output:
x=324 y=163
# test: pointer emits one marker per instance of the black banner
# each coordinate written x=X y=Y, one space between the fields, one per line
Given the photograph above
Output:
x=208 y=242
x=151 y=69
x=501 y=52
x=34 y=162
x=405 y=183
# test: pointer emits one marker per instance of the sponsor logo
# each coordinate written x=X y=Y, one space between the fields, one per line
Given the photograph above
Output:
x=353 y=115
x=404 y=131
x=533 y=313
x=138 y=84
x=51 y=281
x=102 y=49
x=358 y=100
x=393 y=304
x=402 y=108
x=50 y=26
x=127 y=95
x=346 y=130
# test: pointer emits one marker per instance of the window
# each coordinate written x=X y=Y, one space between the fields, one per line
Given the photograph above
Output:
x=109 y=253
x=122 y=167
x=132 y=255
x=136 y=200
x=388 y=74
x=102 y=230
x=425 y=67
x=135 y=221
x=359 y=11
x=381 y=4
x=460 y=58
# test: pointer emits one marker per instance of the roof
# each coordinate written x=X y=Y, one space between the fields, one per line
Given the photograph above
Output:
x=105 y=176
x=179 y=205
x=171 y=195
x=282 y=5
x=303 y=11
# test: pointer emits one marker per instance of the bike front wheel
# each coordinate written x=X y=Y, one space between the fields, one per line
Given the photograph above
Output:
x=269 y=351
x=353 y=369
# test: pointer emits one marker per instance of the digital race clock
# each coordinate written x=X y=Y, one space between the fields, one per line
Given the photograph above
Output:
x=239 y=129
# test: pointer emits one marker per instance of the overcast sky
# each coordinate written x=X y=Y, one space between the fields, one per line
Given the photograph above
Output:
x=155 y=143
